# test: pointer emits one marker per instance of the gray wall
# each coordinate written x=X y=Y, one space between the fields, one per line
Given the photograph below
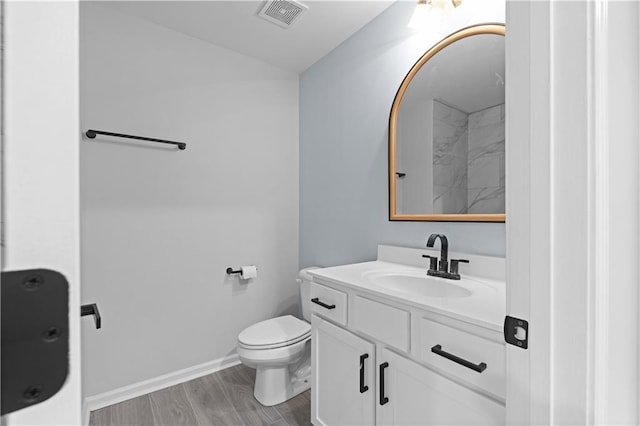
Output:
x=345 y=99
x=160 y=226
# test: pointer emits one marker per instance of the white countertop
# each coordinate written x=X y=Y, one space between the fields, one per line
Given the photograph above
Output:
x=485 y=307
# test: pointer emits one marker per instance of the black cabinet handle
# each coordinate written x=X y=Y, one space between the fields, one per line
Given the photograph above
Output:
x=383 y=399
x=363 y=387
x=92 y=309
x=324 y=305
x=437 y=349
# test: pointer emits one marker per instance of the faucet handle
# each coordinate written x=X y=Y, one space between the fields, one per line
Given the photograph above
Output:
x=433 y=264
x=454 y=264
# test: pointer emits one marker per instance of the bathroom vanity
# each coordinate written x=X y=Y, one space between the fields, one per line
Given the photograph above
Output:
x=391 y=345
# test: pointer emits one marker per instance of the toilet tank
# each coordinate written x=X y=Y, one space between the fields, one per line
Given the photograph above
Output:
x=304 y=280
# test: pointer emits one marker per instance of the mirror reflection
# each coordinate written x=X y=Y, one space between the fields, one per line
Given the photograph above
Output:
x=450 y=135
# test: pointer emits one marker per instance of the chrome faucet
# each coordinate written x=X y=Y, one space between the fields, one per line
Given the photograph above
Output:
x=441 y=269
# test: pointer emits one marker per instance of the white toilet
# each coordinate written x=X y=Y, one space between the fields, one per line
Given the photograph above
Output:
x=280 y=351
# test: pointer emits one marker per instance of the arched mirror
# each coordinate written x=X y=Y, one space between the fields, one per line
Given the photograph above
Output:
x=446 y=132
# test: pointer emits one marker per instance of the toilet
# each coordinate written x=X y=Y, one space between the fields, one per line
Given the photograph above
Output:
x=280 y=351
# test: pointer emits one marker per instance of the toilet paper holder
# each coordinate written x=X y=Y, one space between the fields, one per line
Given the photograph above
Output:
x=246 y=272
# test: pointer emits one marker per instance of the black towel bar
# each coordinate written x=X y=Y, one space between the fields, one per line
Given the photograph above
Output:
x=91 y=134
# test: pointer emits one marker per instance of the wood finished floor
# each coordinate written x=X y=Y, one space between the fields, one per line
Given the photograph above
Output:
x=222 y=398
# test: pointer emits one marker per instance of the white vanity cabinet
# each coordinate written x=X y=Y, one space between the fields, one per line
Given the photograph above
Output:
x=410 y=394
x=378 y=367
x=343 y=376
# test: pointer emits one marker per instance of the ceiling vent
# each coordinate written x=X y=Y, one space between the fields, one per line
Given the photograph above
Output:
x=282 y=12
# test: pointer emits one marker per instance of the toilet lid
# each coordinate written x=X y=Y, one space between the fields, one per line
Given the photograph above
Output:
x=274 y=331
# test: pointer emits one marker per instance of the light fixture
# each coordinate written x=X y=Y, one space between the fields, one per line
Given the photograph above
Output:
x=432 y=11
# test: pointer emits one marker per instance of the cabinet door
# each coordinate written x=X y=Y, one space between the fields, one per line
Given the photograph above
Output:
x=410 y=394
x=342 y=376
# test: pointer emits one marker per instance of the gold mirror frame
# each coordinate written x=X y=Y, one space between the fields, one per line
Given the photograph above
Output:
x=498 y=29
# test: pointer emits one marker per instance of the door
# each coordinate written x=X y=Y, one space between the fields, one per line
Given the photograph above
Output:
x=410 y=394
x=40 y=186
x=572 y=211
x=342 y=376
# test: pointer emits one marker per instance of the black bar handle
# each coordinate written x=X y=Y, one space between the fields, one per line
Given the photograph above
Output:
x=92 y=309
x=324 y=305
x=437 y=349
x=91 y=134
x=363 y=387
x=383 y=398
x=231 y=271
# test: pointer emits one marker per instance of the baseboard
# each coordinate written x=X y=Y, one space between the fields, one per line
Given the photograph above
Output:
x=115 y=396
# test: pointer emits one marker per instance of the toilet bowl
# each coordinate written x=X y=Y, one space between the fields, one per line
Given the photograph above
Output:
x=280 y=351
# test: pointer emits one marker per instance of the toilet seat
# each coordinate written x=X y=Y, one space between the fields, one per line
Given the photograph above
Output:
x=275 y=333
x=275 y=345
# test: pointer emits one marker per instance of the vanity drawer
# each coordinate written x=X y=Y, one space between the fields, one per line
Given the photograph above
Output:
x=329 y=303
x=441 y=346
x=383 y=322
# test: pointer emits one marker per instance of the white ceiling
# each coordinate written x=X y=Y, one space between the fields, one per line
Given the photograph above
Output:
x=234 y=25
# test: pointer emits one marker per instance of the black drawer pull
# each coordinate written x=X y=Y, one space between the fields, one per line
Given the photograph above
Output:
x=324 y=305
x=383 y=399
x=363 y=387
x=437 y=349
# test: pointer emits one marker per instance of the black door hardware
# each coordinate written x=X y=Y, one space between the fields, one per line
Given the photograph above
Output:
x=363 y=387
x=437 y=349
x=91 y=134
x=92 y=309
x=383 y=398
x=35 y=337
x=324 y=305
x=516 y=332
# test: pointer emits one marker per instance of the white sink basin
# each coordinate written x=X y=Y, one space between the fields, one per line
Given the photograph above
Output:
x=419 y=285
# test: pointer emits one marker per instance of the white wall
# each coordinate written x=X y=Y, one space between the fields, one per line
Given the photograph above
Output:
x=40 y=181
x=160 y=226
